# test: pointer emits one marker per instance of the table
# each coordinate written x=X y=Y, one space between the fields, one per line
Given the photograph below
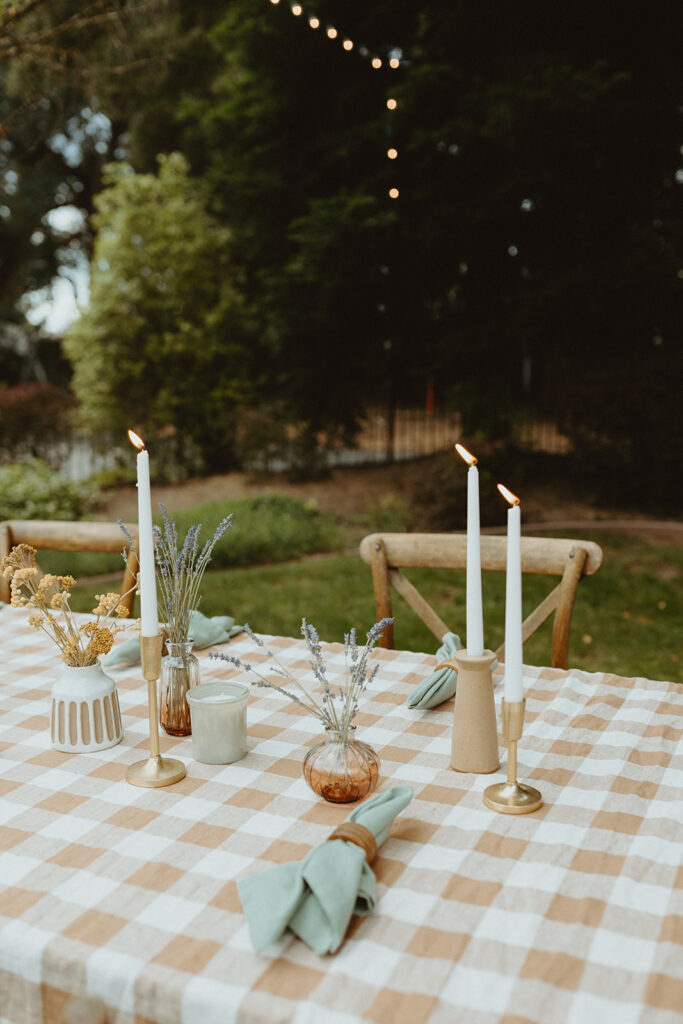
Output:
x=572 y=914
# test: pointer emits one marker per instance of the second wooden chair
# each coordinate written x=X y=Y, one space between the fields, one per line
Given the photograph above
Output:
x=387 y=553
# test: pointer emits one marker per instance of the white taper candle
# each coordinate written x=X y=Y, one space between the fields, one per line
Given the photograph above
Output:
x=149 y=616
x=513 y=605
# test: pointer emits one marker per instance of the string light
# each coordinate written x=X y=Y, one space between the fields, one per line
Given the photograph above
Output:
x=393 y=59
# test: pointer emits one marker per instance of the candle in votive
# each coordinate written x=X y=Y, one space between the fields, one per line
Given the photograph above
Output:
x=513 y=602
x=149 y=616
x=474 y=610
x=219 y=721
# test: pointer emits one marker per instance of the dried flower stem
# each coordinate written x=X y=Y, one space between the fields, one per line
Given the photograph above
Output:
x=336 y=710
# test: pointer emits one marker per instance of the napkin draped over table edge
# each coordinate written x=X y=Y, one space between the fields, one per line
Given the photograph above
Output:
x=204 y=631
x=441 y=684
x=316 y=898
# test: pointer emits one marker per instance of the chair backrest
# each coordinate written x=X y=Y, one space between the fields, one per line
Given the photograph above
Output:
x=58 y=535
x=387 y=553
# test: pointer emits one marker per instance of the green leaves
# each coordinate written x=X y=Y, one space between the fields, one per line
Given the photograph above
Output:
x=163 y=335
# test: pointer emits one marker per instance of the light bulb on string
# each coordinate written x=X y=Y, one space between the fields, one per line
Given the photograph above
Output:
x=297 y=9
x=376 y=63
x=392 y=153
x=393 y=193
x=347 y=44
x=332 y=32
x=391 y=103
x=394 y=62
x=275 y=2
x=314 y=22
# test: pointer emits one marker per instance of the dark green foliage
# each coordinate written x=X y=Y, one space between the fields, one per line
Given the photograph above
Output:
x=533 y=258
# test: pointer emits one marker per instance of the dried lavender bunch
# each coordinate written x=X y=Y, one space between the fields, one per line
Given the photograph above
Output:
x=337 y=707
x=181 y=571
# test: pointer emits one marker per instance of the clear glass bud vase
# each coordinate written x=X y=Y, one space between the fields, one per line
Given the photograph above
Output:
x=341 y=769
x=179 y=672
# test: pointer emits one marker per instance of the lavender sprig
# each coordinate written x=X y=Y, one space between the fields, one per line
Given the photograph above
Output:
x=338 y=718
x=181 y=571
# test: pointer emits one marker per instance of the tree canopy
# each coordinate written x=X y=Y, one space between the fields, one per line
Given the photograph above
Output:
x=535 y=244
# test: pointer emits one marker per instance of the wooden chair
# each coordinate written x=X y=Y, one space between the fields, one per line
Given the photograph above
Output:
x=387 y=553
x=56 y=535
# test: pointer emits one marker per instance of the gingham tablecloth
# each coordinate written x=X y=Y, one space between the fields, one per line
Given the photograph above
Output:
x=121 y=903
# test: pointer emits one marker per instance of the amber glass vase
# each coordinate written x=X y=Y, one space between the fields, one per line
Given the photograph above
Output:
x=341 y=769
x=179 y=671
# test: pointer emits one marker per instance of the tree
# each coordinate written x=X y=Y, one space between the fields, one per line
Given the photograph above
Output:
x=161 y=344
x=60 y=62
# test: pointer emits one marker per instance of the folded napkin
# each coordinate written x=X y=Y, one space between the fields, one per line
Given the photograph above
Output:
x=204 y=631
x=440 y=685
x=315 y=898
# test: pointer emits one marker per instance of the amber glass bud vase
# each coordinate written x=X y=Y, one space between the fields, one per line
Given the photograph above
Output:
x=179 y=671
x=341 y=769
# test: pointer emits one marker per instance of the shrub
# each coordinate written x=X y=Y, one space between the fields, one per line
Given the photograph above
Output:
x=32 y=490
x=266 y=528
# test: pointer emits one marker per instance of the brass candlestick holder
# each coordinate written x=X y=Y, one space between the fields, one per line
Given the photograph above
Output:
x=155 y=771
x=512 y=797
x=475 y=736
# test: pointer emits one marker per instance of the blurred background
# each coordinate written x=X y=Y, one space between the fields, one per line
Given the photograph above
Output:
x=304 y=247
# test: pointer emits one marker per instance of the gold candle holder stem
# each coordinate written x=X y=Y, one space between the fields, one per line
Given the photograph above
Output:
x=512 y=797
x=512 y=761
x=155 y=771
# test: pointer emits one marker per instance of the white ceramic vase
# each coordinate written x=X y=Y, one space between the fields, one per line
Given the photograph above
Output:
x=85 y=711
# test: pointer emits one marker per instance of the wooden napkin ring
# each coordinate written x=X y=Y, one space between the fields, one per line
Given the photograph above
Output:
x=359 y=835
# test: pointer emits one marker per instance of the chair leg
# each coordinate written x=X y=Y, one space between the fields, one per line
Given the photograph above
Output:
x=5 y=548
x=380 y=580
x=563 y=617
x=128 y=584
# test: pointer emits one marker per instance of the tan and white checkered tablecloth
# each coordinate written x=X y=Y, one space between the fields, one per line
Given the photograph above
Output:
x=128 y=896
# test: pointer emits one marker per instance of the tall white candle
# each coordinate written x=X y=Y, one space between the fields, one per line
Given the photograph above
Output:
x=513 y=602
x=148 y=586
x=475 y=615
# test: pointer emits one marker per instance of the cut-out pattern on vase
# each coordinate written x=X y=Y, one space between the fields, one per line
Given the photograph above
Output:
x=85 y=713
x=341 y=769
x=179 y=672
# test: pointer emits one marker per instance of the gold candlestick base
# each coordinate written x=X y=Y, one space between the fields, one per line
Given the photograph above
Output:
x=155 y=770
x=512 y=797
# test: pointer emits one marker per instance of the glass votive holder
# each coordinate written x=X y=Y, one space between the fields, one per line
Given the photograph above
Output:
x=219 y=721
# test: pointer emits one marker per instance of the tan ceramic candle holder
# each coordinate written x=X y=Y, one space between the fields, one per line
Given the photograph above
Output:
x=475 y=736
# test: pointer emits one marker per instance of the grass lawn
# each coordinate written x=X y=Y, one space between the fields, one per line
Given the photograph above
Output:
x=627 y=618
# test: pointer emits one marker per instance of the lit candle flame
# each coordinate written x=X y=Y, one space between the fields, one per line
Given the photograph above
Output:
x=508 y=495
x=135 y=440
x=464 y=454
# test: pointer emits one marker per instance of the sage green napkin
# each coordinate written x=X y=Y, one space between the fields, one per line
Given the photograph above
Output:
x=204 y=631
x=440 y=685
x=315 y=898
